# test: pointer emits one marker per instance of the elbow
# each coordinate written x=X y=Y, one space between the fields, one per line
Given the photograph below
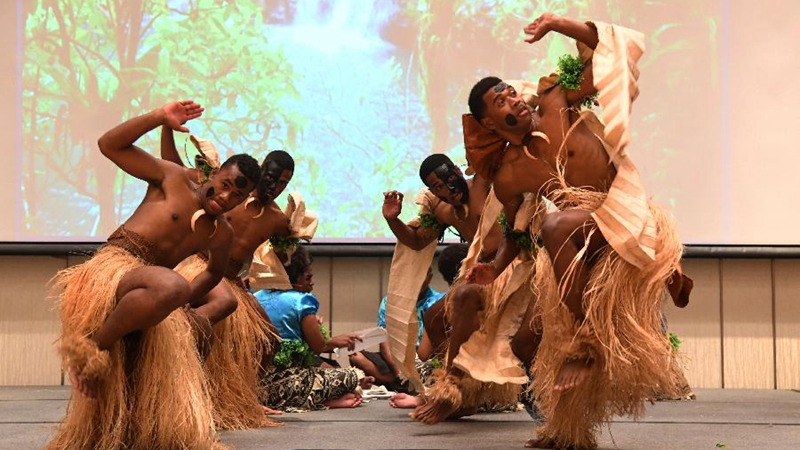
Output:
x=318 y=348
x=103 y=145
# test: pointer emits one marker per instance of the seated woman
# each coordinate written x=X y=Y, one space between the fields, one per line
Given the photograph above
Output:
x=294 y=381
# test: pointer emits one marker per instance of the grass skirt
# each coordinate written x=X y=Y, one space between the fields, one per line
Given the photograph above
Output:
x=160 y=400
x=234 y=363
x=621 y=333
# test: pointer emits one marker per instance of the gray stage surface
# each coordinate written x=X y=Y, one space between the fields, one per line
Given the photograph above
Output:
x=735 y=419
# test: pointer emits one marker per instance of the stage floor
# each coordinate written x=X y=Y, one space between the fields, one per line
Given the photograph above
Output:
x=735 y=419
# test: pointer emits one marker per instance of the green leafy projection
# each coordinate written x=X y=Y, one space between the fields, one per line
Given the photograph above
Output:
x=570 y=71
x=675 y=341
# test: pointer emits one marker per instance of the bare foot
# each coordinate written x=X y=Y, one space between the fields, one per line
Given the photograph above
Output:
x=432 y=412
x=350 y=400
x=572 y=373
x=271 y=412
x=366 y=382
x=84 y=388
x=405 y=401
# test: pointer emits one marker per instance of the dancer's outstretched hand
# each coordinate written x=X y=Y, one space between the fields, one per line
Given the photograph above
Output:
x=537 y=29
x=392 y=204
x=481 y=273
x=178 y=113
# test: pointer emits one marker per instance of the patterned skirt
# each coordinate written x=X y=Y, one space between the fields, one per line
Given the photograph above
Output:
x=295 y=388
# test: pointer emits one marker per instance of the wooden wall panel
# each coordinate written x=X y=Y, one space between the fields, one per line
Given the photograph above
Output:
x=356 y=294
x=29 y=321
x=698 y=325
x=727 y=331
x=322 y=267
x=386 y=265
x=787 y=323
x=747 y=329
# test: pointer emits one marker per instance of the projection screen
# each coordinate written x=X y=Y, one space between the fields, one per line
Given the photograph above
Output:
x=360 y=91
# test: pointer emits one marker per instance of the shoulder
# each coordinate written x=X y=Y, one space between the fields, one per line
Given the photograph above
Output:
x=307 y=299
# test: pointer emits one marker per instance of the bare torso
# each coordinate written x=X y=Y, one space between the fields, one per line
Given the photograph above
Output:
x=164 y=218
x=251 y=231
x=583 y=157
x=467 y=226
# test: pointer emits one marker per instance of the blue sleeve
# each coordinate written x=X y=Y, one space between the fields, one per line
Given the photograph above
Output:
x=382 y=313
x=307 y=305
x=430 y=301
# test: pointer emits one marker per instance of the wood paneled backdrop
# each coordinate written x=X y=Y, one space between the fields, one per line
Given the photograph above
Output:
x=741 y=329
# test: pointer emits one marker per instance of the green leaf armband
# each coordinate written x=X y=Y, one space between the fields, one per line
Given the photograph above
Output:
x=284 y=244
x=570 y=75
x=428 y=221
x=522 y=239
x=570 y=71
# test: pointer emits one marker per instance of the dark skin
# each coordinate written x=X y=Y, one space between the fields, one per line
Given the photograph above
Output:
x=147 y=295
x=586 y=165
x=251 y=228
x=447 y=213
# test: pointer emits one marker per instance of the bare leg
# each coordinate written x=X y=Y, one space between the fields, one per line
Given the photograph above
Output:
x=219 y=304
x=526 y=341
x=468 y=301
x=362 y=362
x=146 y=296
x=435 y=324
x=565 y=234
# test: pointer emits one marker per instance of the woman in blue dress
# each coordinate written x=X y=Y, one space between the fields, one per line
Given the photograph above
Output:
x=296 y=380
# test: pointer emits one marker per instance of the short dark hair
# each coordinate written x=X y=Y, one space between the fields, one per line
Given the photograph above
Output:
x=450 y=261
x=247 y=165
x=301 y=261
x=283 y=159
x=430 y=164
x=476 y=104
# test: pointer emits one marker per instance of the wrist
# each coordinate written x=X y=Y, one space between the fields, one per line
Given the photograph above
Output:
x=557 y=24
x=160 y=116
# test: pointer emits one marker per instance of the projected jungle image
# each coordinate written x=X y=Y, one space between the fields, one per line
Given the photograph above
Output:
x=359 y=92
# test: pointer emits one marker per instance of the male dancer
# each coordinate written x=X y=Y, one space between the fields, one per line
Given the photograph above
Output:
x=612 y=252
x=247 y=337
x=451 y=200
x=131 y=358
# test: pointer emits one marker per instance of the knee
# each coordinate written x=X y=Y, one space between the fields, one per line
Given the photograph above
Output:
x=173 y=291
x=468 y=298
x=553 y=229
x=228 y=305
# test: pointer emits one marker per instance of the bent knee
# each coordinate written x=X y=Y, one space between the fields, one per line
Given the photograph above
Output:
x=173 y=289
x=554 y=228
x=468 y=297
